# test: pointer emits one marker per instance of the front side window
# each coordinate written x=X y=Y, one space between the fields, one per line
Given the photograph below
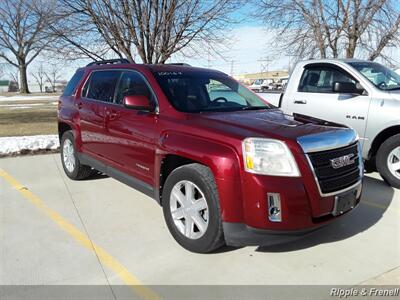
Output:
x=322 y=79
x=207 y=92
x=380 y=76
x=101 y=85
x=130 y=84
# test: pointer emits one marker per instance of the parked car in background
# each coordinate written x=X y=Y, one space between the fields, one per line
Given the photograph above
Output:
x=226 y=167
x=261 y=85
x=363 y=95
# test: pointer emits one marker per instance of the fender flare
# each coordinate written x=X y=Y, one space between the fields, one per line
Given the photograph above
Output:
x=223 y=161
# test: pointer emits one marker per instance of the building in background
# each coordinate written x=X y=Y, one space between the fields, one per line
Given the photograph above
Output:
x=250 y=78
x=59 y=87
x=8 y=86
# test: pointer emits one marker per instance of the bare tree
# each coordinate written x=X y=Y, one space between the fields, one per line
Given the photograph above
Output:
x=153 y=29
x=1 y=71
x=40 y=77
x=24 y=34
x=53 y=74
x=333 y=28
x=14 y=75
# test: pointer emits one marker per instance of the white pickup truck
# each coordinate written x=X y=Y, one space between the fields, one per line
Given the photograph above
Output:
x=363 y=95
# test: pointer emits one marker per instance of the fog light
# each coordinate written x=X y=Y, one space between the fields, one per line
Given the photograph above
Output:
x=274 y=207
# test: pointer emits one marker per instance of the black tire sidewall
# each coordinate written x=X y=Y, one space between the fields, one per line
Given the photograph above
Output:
x=206 y=243
x=381 y=160
x=69 y=135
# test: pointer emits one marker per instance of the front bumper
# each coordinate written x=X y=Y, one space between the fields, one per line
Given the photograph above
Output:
x=239 y=234
x=297 y=221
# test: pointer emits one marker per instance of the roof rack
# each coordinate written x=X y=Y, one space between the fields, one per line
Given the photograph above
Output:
x=179 y=64
x=109 y=61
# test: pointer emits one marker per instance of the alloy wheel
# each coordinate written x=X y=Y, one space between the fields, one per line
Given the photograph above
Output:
x=393 y=162
x=68 y=155
x=189 y=209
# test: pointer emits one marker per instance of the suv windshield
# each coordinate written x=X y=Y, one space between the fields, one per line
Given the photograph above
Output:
x=382 y=77
x=207 y=92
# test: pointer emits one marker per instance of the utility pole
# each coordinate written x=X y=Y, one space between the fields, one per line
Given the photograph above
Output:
x=232 y=66
x=264 y=64
x=290 y=61
x=209 y=57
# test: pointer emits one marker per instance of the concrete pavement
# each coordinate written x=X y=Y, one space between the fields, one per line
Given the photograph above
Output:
x=129 y=227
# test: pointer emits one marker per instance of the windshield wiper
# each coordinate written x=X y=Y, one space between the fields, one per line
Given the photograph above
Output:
x=394 y=89
x=254 y=107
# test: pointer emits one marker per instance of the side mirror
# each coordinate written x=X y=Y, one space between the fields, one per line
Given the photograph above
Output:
x=347 y=88
x=138 y=102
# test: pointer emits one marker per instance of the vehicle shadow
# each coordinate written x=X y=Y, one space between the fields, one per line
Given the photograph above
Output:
x=376 y=198
x=96 y=176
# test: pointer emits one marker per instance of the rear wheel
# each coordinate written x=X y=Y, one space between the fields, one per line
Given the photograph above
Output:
x=388 y=161
x=70 y=161
x=191 y=208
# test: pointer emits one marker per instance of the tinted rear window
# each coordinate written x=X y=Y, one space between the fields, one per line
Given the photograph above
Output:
x=73 y=83
x=101 y=85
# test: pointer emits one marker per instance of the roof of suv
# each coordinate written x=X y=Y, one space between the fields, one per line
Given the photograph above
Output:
x=153 y=67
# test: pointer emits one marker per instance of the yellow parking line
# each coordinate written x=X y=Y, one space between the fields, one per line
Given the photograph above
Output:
x=82 y=239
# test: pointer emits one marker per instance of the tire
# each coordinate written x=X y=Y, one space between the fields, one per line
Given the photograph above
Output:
x=388 y=154
x=75 y=170
x=201 y=179
x=370 y=165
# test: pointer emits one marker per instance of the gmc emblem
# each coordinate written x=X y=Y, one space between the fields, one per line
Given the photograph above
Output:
x=340 y=162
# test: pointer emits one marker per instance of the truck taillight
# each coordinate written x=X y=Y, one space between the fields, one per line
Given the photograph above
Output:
x=274 y=207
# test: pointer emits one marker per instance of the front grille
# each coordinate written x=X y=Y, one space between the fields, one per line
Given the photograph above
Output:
x=331 y=179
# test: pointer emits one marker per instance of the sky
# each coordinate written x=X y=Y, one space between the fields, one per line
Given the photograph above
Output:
x=250 y=50
x=248 y=45
x=250 y=42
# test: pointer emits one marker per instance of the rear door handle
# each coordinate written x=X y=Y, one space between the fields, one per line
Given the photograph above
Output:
x=300 y=101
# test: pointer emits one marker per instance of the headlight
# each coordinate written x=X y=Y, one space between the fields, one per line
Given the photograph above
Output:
x=268 y=157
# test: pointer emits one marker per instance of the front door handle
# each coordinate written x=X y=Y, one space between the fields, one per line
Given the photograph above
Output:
x=300 y=102
x=112 y=115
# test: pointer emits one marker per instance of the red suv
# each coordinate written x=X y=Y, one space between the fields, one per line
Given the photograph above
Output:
x=226 y=167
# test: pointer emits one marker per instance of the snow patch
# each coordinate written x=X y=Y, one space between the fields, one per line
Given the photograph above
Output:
x=30 y=104
x=16 y=144
x=27 y=97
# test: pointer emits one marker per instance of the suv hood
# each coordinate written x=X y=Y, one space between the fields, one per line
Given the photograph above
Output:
x=271 y=123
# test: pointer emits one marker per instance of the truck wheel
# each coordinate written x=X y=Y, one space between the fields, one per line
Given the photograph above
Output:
x=70 y=161
x=388 y=161
x=191 y=208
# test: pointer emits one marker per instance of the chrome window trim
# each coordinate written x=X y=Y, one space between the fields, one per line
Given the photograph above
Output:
x=91 y=72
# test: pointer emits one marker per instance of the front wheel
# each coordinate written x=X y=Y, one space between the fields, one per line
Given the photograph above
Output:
x=388 y=161
x=70 y=161
x=191 y=208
